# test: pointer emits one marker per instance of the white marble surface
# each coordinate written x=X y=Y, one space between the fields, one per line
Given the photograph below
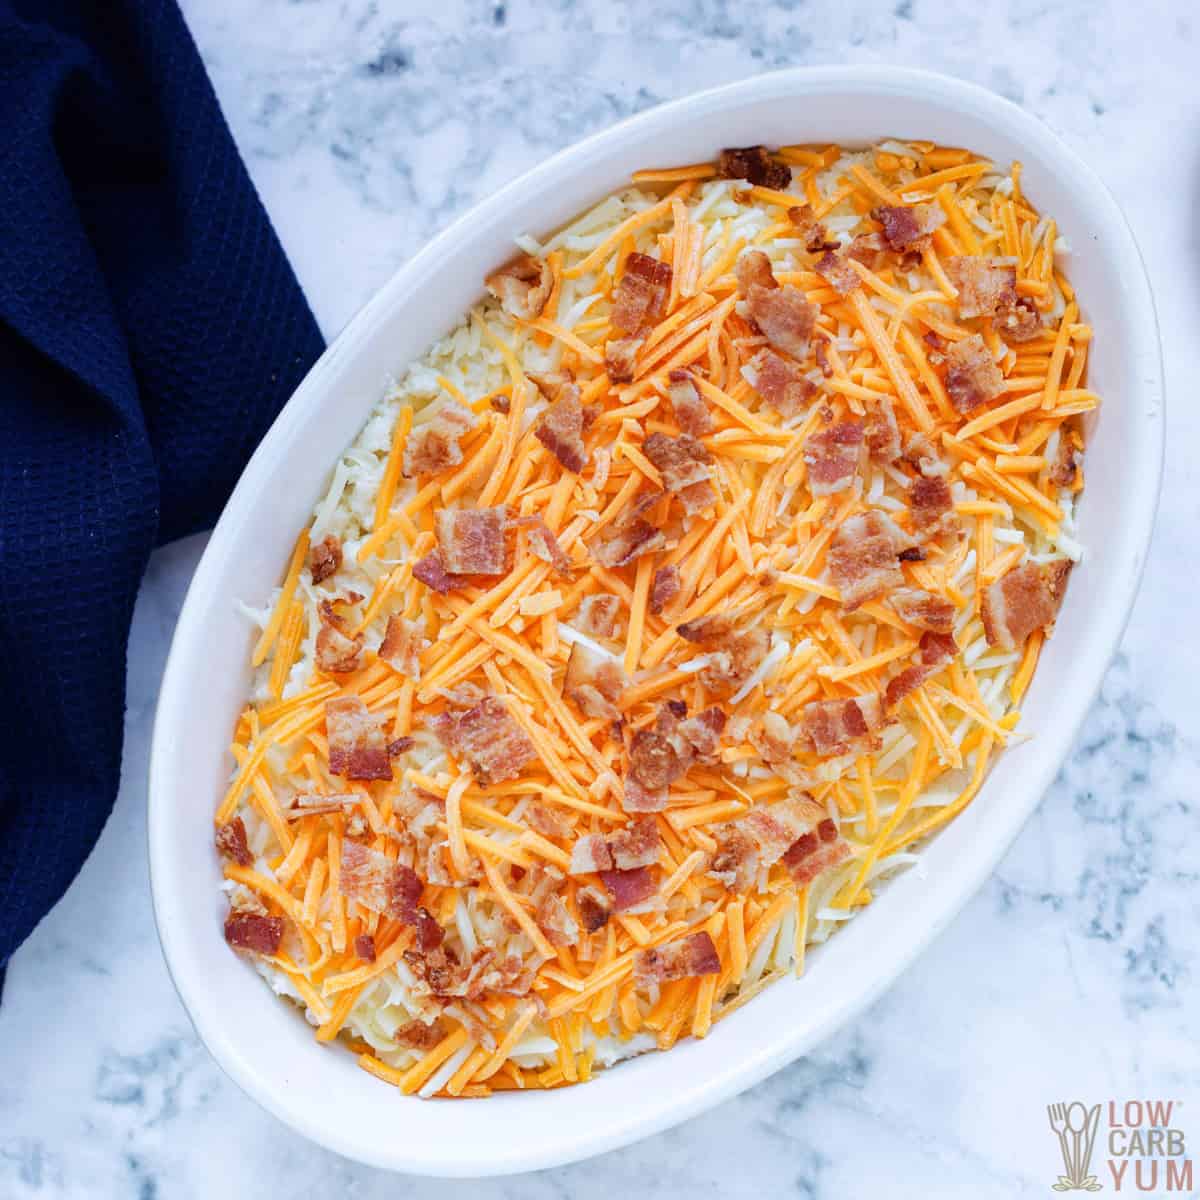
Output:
x=367 y=125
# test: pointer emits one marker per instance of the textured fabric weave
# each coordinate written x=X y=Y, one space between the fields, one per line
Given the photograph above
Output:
x=150 y=329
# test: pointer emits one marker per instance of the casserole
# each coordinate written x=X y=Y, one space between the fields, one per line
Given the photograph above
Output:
x=273 y=1059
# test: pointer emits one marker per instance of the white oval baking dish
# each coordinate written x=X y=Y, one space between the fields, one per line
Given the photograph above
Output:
x=261 y=1042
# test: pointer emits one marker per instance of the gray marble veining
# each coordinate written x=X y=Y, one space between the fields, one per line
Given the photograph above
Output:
x=367 y=126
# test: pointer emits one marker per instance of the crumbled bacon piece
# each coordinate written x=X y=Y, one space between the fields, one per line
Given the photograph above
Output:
x=869 y=249
x=431 y=571
x=834 y=267
x=420 y=1035
x=372 y=880
x=637 y=798
x=640 y=297
x=920 y=452
x=882 y=434
x=560 y=928
x=691 y=412
x=337 y=653
x=972 y=377
x=832 y=456
x=785 y=317
x=364 y=947
x=544 y=545
x=231 y=842
x=703 y=731
x=754 y=164
x=471 y=540
x=773 y=739
x=908 y=230
x=760 y=839
x=1067 y=461
x=821 y=354
x=780 y=382
x=562 y=427
x=400 y=745
x=433 y=446
x=863 y=557
x=594 y=681
x=983 y=284
x=494 y=745
x=815 y=852
x=357 y=744
x=814 y=234
x=630 y=539
x=620 y=358
x=307 y=804
x=253 y=932
x=598 y=615
x=1022 y=600
x=654 y=762
x=687 y=958
x=733 y=656
x=1018 y=320
x=325 y=559
x=839 y=726
x=545 y=821
x=936 y=649
x=637 y=845
x=594 y=908
x=629 y=889
x=664 y=587
x=931 y=504
x=401 y=646
x=753 y=269
x=522 y=286
x=684 y=463
x=922 y=609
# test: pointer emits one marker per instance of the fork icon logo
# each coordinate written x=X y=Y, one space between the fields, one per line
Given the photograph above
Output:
x=1075 y=1124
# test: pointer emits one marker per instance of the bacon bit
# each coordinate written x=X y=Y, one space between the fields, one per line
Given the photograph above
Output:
x=637 y=845
x=336 y=652
x=821 y=354
x=816 y=852
x=761 y=838
x=863 y=557
x=664 y=587
x=562 y=427
x=654 y=761
x=773 y=739
x=640 y=297
x=544 y=545
x=780 y=382
x=595 y=682
x=560 y=928
x=1022 y=600
x=832 y=456
x=936 y=649
x=494 y=745
x=594 y=908
x=882 y=434
x=814 y=234
x=629 y=888
x=733 y=657
x=471 y=540
x=431 y=571
x=1018 y=321
x=440 y=973
x=684 y=464
x=597 y=615
x=522 y=286
x=620 y=358
x=703 y=731
x=400 y=745
x=785 y=317
x=429 y=933
x=691 y=412
x=364 y=947
x=752 y=270
x=931 y=504
x=834 y=267
x=253 y=933
x=919 y=451
x=902 y=683
x=231 y=842
x=869 y=249
x=636 y=798
x=983 y=284
x=691 y=956
x=357 y=745
x=434 y=447
x=922 y=609
x=972 y=377
x=632 y=537
x=544 y=821
x=325 y=559
x=839 y=726
x=372 y=880
x=419 y=1035
x=306 y=804
x=402 y=645
x=1067 y=462
x=909 y=229
x=754 y=163
x=933 y=653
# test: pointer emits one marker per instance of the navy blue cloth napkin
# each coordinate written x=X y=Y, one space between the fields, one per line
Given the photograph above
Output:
x=150 y=329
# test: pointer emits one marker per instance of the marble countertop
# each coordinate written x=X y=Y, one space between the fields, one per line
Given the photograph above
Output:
x=367 y=126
